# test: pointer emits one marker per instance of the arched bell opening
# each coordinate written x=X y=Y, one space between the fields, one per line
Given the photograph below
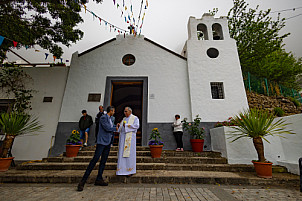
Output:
x=217 y=32
x=202 y=32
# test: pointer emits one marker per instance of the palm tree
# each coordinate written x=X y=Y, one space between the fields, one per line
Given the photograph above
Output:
x=258 y=124
x=15 y=124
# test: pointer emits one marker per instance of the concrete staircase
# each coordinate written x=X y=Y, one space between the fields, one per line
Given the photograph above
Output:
x=172 y=167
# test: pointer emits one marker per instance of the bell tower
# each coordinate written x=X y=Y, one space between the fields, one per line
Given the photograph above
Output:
x=215 y=78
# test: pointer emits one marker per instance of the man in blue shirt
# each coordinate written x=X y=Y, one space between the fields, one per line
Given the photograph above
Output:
x=104 y=141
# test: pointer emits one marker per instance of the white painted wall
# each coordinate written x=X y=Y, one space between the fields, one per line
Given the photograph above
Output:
x=49 y=82
x=203 y=70
x=167 y=78
x=280 y=151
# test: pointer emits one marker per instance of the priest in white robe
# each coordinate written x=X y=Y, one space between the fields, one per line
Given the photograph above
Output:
x=126 y=164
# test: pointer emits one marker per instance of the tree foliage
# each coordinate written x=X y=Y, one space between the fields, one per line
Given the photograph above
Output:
x=260 y=44
x=40 y=22
x=256 y=33
x=13 y=83
x=281 y=67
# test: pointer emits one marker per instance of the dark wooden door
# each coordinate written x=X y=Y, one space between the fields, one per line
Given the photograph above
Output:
x=129 y=94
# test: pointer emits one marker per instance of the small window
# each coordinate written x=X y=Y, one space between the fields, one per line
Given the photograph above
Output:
x=217 y=90
x=6 y=105
x=47 y=99
x=212 y=53
x=94 y=97
x=128 y=59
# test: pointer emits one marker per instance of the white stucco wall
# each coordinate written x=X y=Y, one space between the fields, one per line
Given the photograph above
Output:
x=48 y=82
x=167 y=78
x=203 y=70
x=281 y=151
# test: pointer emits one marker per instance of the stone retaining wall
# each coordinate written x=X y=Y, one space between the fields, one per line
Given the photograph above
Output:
x=270 y=102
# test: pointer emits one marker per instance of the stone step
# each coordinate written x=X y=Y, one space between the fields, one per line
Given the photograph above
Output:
x=149 y=176
x=165 y=153
x=146 y=159
x=147 y=166
x=115 y=148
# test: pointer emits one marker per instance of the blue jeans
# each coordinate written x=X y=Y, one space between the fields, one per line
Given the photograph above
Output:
x=101 y=150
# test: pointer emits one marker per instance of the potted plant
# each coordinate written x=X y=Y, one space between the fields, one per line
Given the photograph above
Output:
x=12 y=125
x=257 y=125
x=196 y=133
x=73 y=144
x=156 y=146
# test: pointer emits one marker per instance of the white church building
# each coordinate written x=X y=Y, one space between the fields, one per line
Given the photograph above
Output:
x=157 y=83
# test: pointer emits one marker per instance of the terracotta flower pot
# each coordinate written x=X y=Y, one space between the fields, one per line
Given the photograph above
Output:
x=197 y=145
x=5 y=163
x=72 y=150
x=263 y=170
x=156 y=150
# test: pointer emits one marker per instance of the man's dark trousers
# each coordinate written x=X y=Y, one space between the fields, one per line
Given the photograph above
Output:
x=101 y=150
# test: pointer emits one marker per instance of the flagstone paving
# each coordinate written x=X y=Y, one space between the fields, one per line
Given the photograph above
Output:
x=142 y=192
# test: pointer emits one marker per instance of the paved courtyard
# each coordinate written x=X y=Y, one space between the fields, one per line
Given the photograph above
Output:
x=59 y=192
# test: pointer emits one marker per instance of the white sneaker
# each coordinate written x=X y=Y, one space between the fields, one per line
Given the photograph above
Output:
x=85 y=144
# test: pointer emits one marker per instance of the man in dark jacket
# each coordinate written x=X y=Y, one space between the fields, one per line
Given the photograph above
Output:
x=84 y=125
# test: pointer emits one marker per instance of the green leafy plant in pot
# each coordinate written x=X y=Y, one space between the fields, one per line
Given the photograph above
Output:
x=12 y=125
x=257 y=125
x=196 y=132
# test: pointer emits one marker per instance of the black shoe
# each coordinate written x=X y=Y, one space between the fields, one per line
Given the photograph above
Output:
x=81 y=186
x=100 y=183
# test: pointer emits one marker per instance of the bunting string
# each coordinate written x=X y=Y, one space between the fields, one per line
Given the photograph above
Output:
x=112 y=26
x=128 y=15
x=15 y=44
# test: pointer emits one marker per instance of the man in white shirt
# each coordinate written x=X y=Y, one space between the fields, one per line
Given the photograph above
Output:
x=178 y=132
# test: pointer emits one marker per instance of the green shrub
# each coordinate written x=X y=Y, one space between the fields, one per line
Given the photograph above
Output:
x=295 y=101
x=278 y=111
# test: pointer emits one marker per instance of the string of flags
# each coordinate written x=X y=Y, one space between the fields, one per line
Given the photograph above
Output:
x=128 y=15
x=112 y=26
x=26 y=46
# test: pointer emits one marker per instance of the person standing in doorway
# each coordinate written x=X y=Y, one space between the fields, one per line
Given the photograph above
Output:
x=84 y=125
x=178 y=132
x=97 y=121
x=104 y=141
x=126 y=163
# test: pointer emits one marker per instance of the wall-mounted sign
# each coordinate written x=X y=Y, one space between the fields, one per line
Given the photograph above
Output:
x=152 y=96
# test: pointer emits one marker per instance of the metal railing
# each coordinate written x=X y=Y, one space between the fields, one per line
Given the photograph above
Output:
x=264 y=86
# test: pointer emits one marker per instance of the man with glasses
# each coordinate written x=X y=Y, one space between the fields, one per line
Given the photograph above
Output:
x=126 y=164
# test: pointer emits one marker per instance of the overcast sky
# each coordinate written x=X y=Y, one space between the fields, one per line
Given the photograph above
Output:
x=165 y=23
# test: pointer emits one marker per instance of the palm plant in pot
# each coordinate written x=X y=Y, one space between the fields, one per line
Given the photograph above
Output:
x=155 y=144
x=15 y=124
x=258 y=125
x=196 y=132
